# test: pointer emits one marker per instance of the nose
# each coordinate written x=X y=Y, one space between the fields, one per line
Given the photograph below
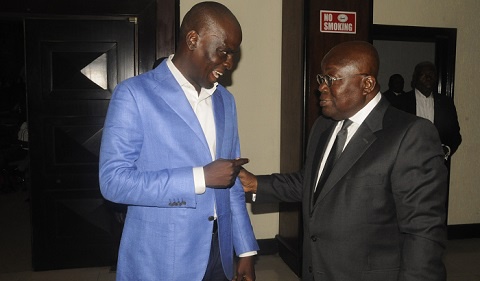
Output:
x=322 y=87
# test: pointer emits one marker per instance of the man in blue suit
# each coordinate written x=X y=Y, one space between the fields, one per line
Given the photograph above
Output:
x=170 y=151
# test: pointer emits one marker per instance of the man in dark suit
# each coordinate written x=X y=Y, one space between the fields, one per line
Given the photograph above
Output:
x=425 y=102
x=380 y=214
x=395 y=88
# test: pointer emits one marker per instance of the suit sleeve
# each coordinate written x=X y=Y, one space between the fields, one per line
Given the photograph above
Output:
x=280 y=188
x=120 y=179
x=419 y=186
x=243 y=236
x=450 y=129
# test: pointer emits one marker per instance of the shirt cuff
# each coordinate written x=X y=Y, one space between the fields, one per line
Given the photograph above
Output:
x=248 y=254
x=199 y=180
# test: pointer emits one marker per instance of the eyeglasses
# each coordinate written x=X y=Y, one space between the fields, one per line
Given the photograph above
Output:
x=328 y=80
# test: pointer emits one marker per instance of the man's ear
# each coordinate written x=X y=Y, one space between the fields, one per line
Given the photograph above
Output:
x=369 y=85
x=192 y=39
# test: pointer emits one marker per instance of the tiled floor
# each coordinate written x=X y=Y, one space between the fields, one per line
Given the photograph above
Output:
x=462 y=257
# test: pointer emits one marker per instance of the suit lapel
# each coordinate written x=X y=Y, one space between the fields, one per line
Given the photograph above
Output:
x=360 y=142
x=219 y=115
x=173 y=95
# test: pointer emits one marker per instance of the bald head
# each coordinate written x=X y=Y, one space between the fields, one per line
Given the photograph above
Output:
x=355 y=54
x=206 y=17
x=352 y=68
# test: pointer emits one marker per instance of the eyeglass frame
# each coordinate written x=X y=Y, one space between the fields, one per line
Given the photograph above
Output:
x=328 y=80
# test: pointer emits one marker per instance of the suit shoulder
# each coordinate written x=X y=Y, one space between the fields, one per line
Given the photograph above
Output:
x=397 y=119
x=397 y=116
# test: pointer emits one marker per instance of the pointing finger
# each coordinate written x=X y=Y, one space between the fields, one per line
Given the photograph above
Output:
x=241 y=161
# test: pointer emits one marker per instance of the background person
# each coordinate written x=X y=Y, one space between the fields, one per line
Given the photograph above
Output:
x=424 y=101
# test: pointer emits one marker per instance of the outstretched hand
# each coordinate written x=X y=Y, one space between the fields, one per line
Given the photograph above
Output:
x=248 y=180
x=222 y=173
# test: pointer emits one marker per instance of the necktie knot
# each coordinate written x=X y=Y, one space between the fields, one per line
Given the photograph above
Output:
x=346 y=124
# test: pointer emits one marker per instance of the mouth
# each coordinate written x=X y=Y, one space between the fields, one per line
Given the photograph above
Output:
x=324 y=102
x=324 y=99
x=217 y=74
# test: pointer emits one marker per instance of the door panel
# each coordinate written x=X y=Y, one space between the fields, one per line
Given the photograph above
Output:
x=72 y=68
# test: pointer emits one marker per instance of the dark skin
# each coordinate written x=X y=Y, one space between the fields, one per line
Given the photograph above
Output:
x=425 y=78
x=396 y=84
x=203 y=55
x=345 y=97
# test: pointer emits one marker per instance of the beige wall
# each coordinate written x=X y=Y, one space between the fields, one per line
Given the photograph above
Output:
x=256 y=87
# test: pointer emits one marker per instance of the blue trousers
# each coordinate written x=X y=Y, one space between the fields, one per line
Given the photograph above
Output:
x=214 y=270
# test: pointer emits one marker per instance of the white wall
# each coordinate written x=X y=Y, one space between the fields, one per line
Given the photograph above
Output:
x=256 y=86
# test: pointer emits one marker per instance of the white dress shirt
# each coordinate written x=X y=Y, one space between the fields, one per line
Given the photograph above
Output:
x=203 y=108
x=425 y=105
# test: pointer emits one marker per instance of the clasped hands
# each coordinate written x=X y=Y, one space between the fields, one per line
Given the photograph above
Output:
x=222 y=173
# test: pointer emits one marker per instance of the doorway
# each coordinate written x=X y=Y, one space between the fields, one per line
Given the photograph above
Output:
x=411 y=45
x=441 y=41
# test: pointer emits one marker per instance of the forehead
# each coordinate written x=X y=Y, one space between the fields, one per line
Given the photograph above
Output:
x=222 y=36
x=426 y=68
x=334 y=66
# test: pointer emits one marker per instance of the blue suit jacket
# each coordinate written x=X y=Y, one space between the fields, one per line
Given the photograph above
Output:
x=151 y=141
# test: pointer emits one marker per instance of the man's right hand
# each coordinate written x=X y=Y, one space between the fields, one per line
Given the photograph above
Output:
x=249 y=181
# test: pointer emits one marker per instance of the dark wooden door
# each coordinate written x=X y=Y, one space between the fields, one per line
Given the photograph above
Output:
x=72 y=69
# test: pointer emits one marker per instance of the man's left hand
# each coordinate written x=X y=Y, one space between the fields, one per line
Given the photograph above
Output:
x=245 y=269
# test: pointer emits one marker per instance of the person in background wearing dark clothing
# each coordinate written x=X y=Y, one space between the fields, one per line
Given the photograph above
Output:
x=377 y=212
x=171 y=152
x=424 y=101
x=395 y=88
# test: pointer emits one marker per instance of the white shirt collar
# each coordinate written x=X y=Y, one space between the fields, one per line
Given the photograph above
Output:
x=419 y=95
x=183 y=82
x=360 y=116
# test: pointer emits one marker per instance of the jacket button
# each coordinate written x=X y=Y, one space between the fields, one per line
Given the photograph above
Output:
x=310 y=269
x=211 y=218
x=313 y=238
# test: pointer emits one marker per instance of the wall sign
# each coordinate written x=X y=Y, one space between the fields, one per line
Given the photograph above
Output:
x=338 y=22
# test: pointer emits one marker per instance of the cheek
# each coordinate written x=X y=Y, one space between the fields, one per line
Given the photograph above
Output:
x=346 y=99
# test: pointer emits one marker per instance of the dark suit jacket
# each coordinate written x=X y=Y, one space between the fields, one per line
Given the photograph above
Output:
x=391 y=96
x=445 y=117
x=380 y=215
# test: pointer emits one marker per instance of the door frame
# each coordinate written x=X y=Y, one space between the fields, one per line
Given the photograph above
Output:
x=444 y=39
